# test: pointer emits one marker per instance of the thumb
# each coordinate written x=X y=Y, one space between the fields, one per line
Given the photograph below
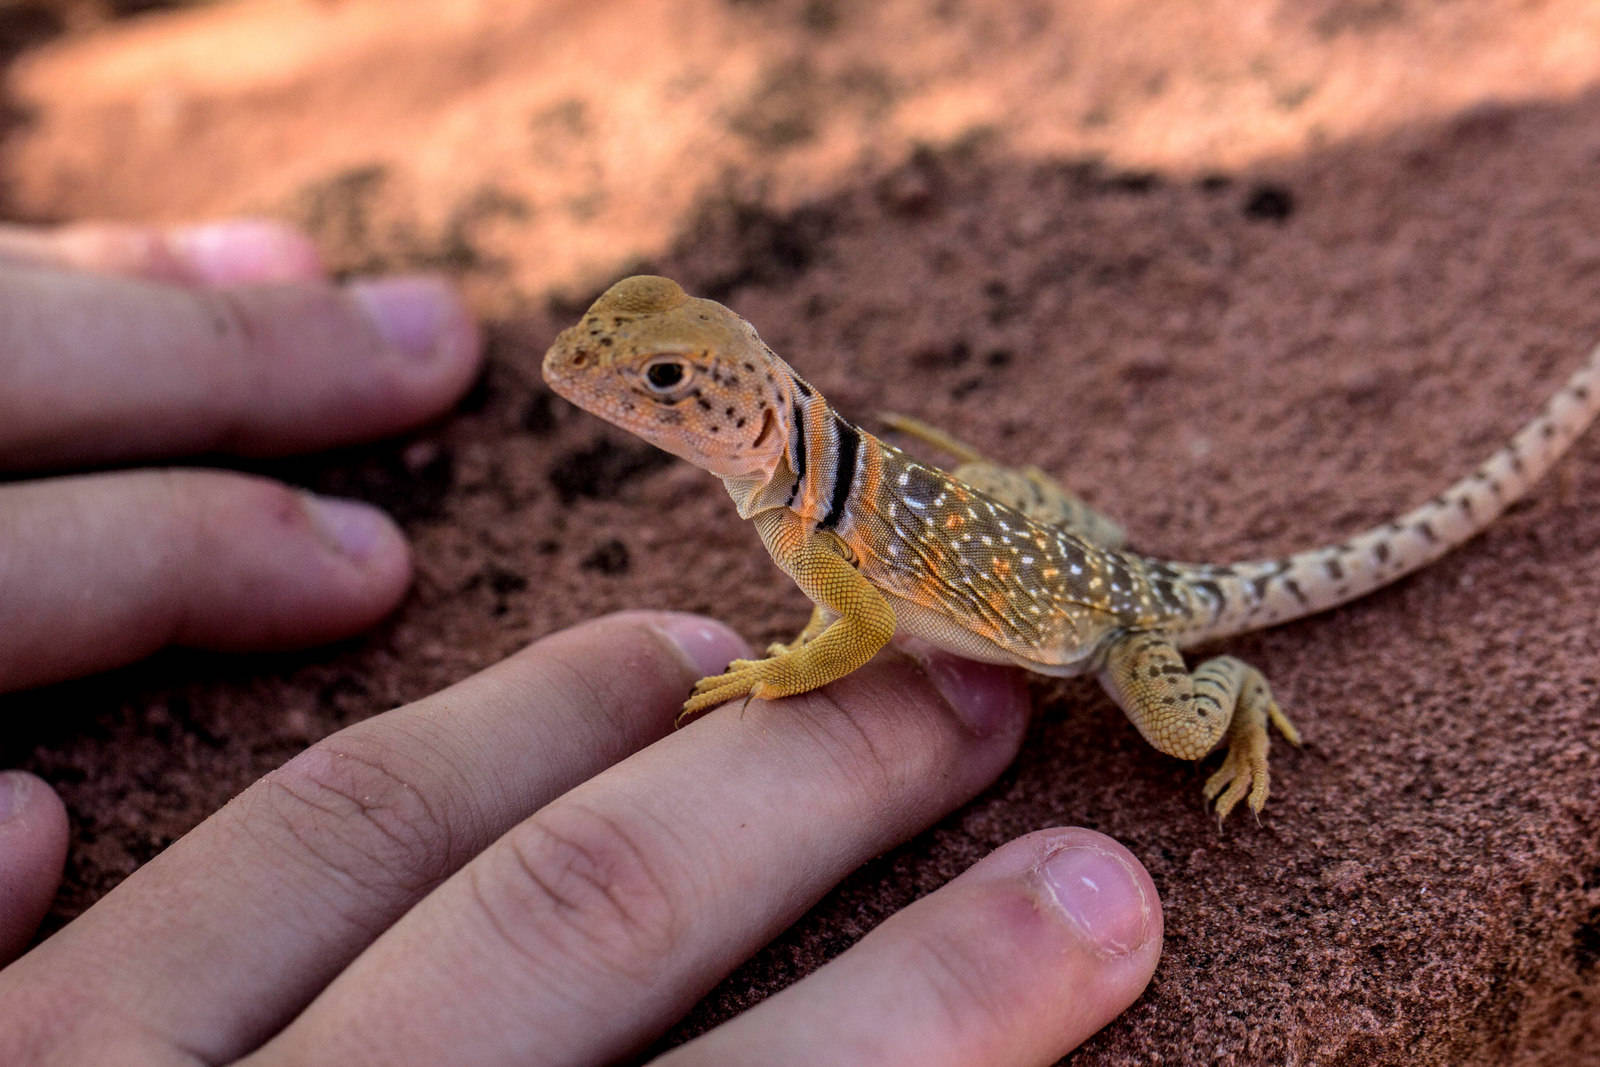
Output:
x=33 y=850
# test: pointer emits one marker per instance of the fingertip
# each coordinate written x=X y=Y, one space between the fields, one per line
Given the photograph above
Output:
x=362 y=572
x=371 y=541
x=990 y=699
x=287 y=568
x=33 y=853
x=356 y=530
x=1105 y=927
x=428 y=343
x=707 y=645
x=1092 y=885
x=1100 y=889
x=1085 y=950
x=245 y=251
x=1020 y=959
x=424 y=318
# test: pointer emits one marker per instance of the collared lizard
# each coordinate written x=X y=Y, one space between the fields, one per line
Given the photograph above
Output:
x=995 y=564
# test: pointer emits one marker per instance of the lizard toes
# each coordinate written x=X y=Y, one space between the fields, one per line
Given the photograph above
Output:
x=705 y=698
x=1242 y=772
x=744 y=677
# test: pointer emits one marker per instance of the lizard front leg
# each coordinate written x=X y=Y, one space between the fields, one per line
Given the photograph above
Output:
x=820 y=618
x=863 y=624
x=1185 y=714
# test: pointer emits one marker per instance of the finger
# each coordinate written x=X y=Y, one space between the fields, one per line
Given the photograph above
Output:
x=230 y=252
x=33 y=851
x=589 y=927
x=1017 y=961
x=103 y=569
x=247 y=917
x=102 y=369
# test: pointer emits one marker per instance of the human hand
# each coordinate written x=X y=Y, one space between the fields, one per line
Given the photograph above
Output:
x=120 y=344
x=531 y=867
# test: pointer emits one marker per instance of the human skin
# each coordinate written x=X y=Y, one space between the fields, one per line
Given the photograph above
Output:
x=529 y=866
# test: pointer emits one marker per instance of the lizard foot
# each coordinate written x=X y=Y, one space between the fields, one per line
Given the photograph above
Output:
x=1186 y=714
x=1244 y=768
x=754 y=678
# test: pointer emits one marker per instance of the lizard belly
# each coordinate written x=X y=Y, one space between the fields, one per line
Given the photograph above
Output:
x=938 y=629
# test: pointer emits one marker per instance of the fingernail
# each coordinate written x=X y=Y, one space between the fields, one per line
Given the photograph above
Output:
x=354 y=529
x=419 y=316
x=987 y=697
x=708 y=646
x=245 y=250
x=1100 y=896
x=15 y=788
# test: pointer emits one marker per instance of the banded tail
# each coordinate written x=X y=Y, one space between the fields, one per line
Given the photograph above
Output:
x=1260 y=593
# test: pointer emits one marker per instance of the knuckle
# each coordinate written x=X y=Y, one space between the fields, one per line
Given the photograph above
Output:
x=230 y=316
x=176 y=495
x=355 y=806
x=960 y=977
x=588 y=883
x=240 y=370
x=51 y=1021
x=878 y=738
x=864 y=751
x=208 y=507
x=257 y=503
x=208 y=515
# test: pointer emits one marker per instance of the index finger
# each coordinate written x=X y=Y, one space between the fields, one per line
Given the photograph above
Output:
x=213 y=945
x=101 y=368
x=585 y=930
x=216 y=253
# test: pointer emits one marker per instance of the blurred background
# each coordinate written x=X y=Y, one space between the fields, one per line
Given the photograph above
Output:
x=1249 y=274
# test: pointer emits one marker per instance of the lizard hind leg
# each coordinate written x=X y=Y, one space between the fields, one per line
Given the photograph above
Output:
x=1185 y=714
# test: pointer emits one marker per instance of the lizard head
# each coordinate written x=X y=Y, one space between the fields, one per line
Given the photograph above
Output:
x=685 y=374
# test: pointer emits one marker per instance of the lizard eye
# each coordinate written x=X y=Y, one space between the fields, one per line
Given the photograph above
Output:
x=666 y=375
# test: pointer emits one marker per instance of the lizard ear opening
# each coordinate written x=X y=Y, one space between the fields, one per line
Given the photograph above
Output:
x=769 y=422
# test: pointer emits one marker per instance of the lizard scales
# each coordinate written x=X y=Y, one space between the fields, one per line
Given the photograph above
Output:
x=993 y=563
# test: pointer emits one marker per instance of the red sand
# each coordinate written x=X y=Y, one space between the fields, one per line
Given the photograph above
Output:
x=1250 y=276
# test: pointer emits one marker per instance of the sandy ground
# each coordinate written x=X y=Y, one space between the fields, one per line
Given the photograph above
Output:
x=1249 y=275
